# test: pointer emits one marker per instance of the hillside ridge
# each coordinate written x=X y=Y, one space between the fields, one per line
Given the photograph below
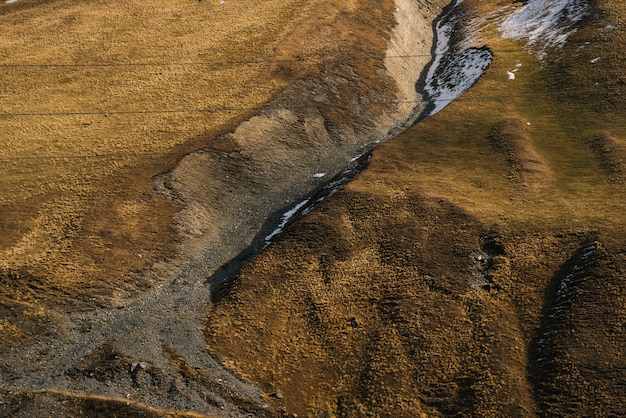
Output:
x=150 y=347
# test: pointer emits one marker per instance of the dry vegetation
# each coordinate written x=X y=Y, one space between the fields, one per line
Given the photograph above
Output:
x=98 y=107
x=475 y=269
x=97 y=99
x=65 y=404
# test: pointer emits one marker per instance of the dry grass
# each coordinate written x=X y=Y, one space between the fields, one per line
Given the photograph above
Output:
x=555 y=126
x=377 y=304
x=609 y=156
x=422 y=288
x=508 y=137
x=87 y=228
x=194 y=48
x=95 y=100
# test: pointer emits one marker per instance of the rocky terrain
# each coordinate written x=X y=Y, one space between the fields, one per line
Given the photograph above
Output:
x=475 y=268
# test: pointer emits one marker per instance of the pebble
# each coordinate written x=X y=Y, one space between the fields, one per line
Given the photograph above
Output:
x=142 y=365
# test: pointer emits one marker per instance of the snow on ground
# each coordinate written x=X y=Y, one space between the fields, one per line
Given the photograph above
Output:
x=456 y=75
x=563 y=299
x=513 y=71
x=451 y=72
x=286 y=218
x=303 y=207
x=545 y=24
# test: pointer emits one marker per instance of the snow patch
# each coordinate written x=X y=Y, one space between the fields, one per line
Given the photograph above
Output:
x=563 y=300
x=513 y=71
x=287 y=216
x=545 y=24
x=303 y=207
x=457 y=75
x=9 y=1
x=451 y=72
x=319 y=175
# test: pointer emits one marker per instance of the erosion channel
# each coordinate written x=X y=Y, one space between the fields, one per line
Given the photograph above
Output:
x=150 y=350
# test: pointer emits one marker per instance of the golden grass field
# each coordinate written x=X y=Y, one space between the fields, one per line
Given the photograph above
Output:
x=428 y=286
x=95 y=100
x=98 y=99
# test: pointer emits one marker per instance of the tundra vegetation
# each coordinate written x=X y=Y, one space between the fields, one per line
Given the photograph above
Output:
x=475 y=268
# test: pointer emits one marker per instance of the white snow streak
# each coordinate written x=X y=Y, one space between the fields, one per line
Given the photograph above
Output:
x=451 y=73
x=285 y=220
x=457 y=76
x=545 y=23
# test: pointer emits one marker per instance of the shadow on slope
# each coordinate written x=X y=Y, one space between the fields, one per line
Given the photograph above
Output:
x=577 y=362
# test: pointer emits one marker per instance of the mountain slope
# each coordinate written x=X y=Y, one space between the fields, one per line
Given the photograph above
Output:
x=476 y=267
x=107 y=271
